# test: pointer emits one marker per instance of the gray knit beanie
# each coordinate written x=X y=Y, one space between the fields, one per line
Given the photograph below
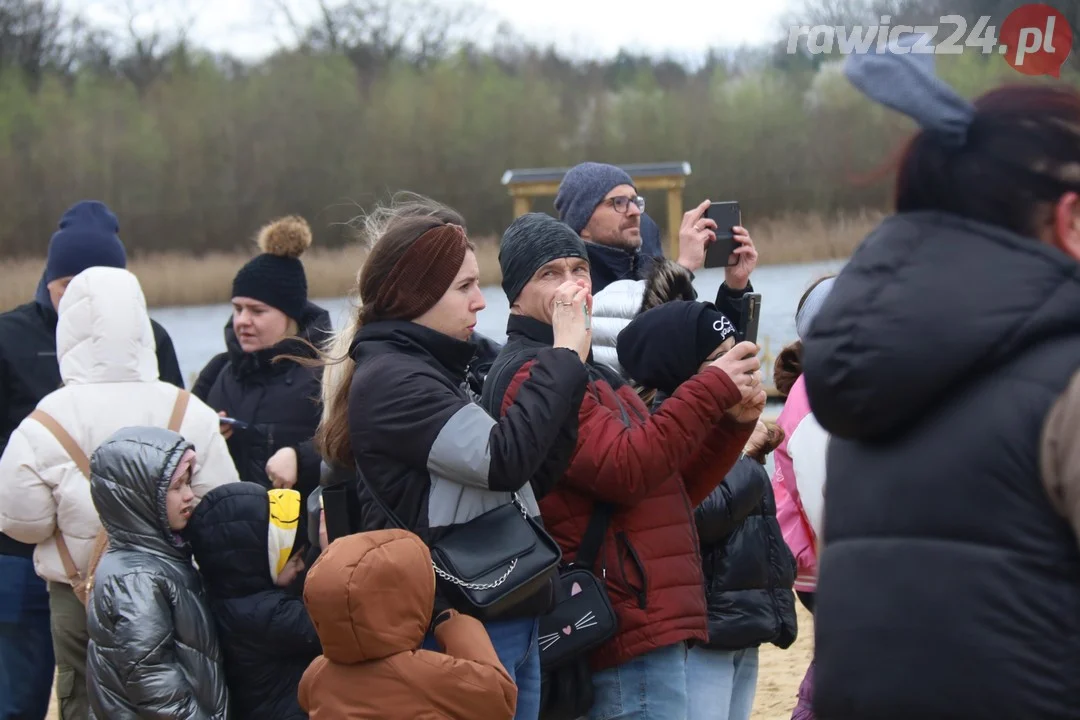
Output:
x=583 y=188
x=532 y=241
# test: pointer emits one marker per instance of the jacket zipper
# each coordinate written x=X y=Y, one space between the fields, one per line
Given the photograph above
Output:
x=695 y=541
x=642 y=594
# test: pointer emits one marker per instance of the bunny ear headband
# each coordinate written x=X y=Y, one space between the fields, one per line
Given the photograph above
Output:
x=905 y=81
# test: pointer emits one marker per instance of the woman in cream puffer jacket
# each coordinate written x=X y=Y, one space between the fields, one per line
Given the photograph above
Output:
x=105 y=346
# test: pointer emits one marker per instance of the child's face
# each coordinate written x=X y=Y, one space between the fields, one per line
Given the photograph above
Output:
x=292 y=569
x=179 y=502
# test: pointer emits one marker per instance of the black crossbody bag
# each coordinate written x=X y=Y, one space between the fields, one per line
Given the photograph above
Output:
x=493 y=563
x=583 y=618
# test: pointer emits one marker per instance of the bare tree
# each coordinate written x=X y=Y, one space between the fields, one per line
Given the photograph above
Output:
x=373 y=33
x=142 y=40
x=35 y=37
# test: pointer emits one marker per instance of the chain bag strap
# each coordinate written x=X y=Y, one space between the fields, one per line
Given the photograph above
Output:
x=493 y=566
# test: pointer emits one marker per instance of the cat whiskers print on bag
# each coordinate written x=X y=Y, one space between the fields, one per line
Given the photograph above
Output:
x=587 y=621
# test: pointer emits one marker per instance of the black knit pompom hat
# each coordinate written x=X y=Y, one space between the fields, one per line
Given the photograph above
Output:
x=276 y=277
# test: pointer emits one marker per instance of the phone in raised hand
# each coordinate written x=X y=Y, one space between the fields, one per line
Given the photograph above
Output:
x=726 y=215
x=749 y=318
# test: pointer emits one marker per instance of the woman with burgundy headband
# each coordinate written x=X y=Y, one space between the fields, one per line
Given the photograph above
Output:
x=434 y=456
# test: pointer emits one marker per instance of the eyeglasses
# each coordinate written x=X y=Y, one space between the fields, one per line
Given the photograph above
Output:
x=621 y=203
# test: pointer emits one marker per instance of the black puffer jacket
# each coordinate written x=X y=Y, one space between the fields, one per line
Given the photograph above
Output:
x=749 y=570
x=265 y=632
x=434 y=456
x=949 y=585
x=279 y=401
x=153 y=650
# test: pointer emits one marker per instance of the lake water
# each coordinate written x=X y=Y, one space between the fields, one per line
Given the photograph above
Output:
x=197 y=332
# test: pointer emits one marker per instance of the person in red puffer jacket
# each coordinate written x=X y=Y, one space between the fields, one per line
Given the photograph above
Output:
x=654 y=468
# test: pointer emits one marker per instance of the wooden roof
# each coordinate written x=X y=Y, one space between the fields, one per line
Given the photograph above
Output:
x=639 y=170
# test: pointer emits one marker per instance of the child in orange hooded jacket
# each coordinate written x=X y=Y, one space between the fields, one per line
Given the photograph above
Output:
x=371 y=631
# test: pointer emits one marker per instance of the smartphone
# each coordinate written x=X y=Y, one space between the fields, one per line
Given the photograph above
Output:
x=749 y=318
x=237 y=424
x=726 y=215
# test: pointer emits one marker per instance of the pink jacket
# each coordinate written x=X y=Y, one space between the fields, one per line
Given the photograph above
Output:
x=799 y=483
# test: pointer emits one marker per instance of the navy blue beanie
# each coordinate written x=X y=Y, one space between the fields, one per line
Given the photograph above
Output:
x=88 y=236
x=583 y=188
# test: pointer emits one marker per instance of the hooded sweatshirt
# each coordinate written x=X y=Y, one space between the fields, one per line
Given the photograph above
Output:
x=266 y=635
x=153 y=650
x=370 y=596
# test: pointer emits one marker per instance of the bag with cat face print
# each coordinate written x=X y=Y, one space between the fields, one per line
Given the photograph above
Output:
x=583 y=618
x=581 y=621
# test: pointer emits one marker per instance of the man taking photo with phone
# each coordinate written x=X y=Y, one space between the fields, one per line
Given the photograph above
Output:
x=653 y=470
x=601 y=204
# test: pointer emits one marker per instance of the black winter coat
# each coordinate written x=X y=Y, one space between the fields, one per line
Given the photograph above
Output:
x=265 y=633
x=279 y=401
x=749 y=570
x=434 y=456
x=949 y=586
x=29 y=371
x=342 y=484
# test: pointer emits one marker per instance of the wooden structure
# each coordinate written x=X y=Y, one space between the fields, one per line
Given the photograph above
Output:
x=529 y=183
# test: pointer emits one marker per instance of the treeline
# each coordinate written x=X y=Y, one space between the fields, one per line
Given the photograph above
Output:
x=195 y=151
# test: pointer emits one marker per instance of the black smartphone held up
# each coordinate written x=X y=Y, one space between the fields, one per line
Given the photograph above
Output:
x=236 y=424
x=750 y=317
x=726 y=215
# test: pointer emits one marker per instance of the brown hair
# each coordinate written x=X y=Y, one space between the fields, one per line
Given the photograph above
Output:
x=390 y=231
x=1022 y=154
x=788 y=366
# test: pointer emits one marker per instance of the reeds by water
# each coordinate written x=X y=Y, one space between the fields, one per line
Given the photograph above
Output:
x=172 y=279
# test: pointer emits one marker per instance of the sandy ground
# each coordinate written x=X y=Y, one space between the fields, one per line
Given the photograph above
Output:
x=779 y=675
x=781 y=671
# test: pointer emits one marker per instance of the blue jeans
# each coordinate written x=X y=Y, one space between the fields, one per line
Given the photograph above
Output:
x=516 y=645
x=721 y=684
x=649 y=687
x=26 y=650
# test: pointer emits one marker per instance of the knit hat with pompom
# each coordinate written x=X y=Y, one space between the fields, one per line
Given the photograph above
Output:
x=277 y=276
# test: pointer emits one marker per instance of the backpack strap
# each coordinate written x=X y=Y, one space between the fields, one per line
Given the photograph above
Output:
x=66 y=441
x=83 y=463
x=178 y=411
x=101 y=540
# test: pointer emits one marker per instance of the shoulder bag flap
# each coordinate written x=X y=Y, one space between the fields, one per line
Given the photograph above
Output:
x=466 y=551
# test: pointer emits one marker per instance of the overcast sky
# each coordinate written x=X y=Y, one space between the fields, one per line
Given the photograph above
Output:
x=681 y=28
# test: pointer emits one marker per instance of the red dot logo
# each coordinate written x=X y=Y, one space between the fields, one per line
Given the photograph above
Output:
x=1036 y=40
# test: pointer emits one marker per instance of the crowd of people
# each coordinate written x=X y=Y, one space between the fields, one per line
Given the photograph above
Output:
x=401 y=518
